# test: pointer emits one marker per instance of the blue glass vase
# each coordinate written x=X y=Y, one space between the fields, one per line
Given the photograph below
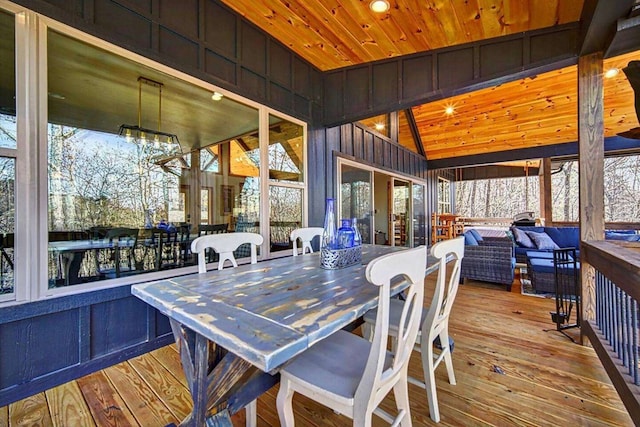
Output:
x=345 y=235
x=330 y=233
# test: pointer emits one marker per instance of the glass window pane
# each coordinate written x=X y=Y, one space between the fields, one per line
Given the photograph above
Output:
x=121 y=177
x=7 y=81
x=285 y=215
x=286 y=150
x=7 y=223
x=204 y=206
x=356 y=195
x=419 y=224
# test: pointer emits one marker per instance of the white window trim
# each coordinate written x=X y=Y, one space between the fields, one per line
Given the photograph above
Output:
x=31 y=278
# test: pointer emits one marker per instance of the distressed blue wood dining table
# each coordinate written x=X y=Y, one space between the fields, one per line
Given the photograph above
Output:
x=236 y=327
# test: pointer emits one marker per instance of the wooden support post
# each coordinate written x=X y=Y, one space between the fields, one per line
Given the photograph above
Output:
x=591 y=159
x=194 y=200
x=546 y=202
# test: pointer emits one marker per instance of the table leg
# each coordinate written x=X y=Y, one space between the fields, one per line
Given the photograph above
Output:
x=219 y=381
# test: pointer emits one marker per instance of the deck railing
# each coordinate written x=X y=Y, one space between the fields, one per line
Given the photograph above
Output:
x=611 y=318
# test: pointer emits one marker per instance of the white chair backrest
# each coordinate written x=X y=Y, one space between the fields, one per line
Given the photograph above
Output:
x=224 y=245
x=411 y=264
x=437 y=318
x=305 y=235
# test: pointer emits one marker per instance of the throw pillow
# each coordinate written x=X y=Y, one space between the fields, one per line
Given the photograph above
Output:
x=522 y=239
x=469 y=240
x=477 y=235
x=542 y=240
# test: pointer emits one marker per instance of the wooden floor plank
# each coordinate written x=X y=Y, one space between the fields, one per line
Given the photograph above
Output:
x=32 y=412
x=106 y=405
x=139 y=397
x=547 y=379
x=4 y=416
x=169 y=390
x=170 y=359
x=67 y=406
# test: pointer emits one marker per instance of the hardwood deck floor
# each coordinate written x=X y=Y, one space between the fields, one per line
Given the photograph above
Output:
x=543 y=379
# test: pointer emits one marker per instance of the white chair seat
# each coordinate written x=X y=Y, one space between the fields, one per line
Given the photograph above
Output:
x=322 y=367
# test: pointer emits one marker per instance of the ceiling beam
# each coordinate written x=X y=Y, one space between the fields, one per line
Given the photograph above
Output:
x=415 y=132
x=599 y=19
x=354 y=93
x=611 y=144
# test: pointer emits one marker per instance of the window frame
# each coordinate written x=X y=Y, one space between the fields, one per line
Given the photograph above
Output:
x=31 y=182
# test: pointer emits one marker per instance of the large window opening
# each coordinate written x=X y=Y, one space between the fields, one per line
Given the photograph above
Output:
x=621 y=189
x=141 y=162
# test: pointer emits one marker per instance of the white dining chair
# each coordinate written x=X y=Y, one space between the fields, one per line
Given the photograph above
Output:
x=224 y=245
x=306 y=235
x=352 y=375
x=435 y=320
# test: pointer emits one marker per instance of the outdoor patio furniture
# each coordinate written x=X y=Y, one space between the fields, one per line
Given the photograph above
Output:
x=488 y=261
x=351 y=374
x=306 y=236
x=434 y=327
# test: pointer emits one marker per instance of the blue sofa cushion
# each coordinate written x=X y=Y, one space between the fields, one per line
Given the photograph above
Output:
x=476 y=235
x=522 y=239
x=542 y=240
x=564 y=237
x=469 y=239
x=610 y=235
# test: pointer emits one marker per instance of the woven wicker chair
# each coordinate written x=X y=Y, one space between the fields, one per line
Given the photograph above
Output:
x=490 y=261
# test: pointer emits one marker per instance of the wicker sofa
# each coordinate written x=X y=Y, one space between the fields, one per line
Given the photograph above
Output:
x=488 y=260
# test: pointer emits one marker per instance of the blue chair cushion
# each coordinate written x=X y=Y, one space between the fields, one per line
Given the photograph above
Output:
x=469 y=240
x=542 y=240
x=539 y=254
x=477 y=235
x=541 y=265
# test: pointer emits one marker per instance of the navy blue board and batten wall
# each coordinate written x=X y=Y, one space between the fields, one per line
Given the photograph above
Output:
x=49 y=342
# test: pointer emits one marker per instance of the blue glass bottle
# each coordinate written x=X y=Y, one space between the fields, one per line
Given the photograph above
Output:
x=330 y=234
x=357 y=237
x=345 y=235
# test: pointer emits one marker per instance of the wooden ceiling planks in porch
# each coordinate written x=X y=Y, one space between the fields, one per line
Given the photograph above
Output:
x=530 y=112
x=339 y=33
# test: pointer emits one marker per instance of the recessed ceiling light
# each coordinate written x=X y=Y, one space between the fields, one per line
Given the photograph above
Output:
x=217 y=96
x=611 y=72
x=449 y=110
x=379 y=6
x=56 y=96
x=379 y=126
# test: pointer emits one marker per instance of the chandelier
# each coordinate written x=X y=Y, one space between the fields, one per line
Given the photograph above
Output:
x=144 y=135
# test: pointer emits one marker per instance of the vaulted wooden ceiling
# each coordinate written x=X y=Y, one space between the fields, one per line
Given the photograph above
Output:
x=337 y=33
x=535 y=111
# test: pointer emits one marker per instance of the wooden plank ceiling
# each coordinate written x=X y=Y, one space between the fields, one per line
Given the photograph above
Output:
x=337 y=33
x=536 y=111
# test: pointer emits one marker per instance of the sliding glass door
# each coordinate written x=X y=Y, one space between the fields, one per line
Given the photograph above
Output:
x=357 y=199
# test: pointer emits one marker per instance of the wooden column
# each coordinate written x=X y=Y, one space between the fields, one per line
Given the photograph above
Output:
x=591 y=159
x=546 y=202
x=194 y=202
